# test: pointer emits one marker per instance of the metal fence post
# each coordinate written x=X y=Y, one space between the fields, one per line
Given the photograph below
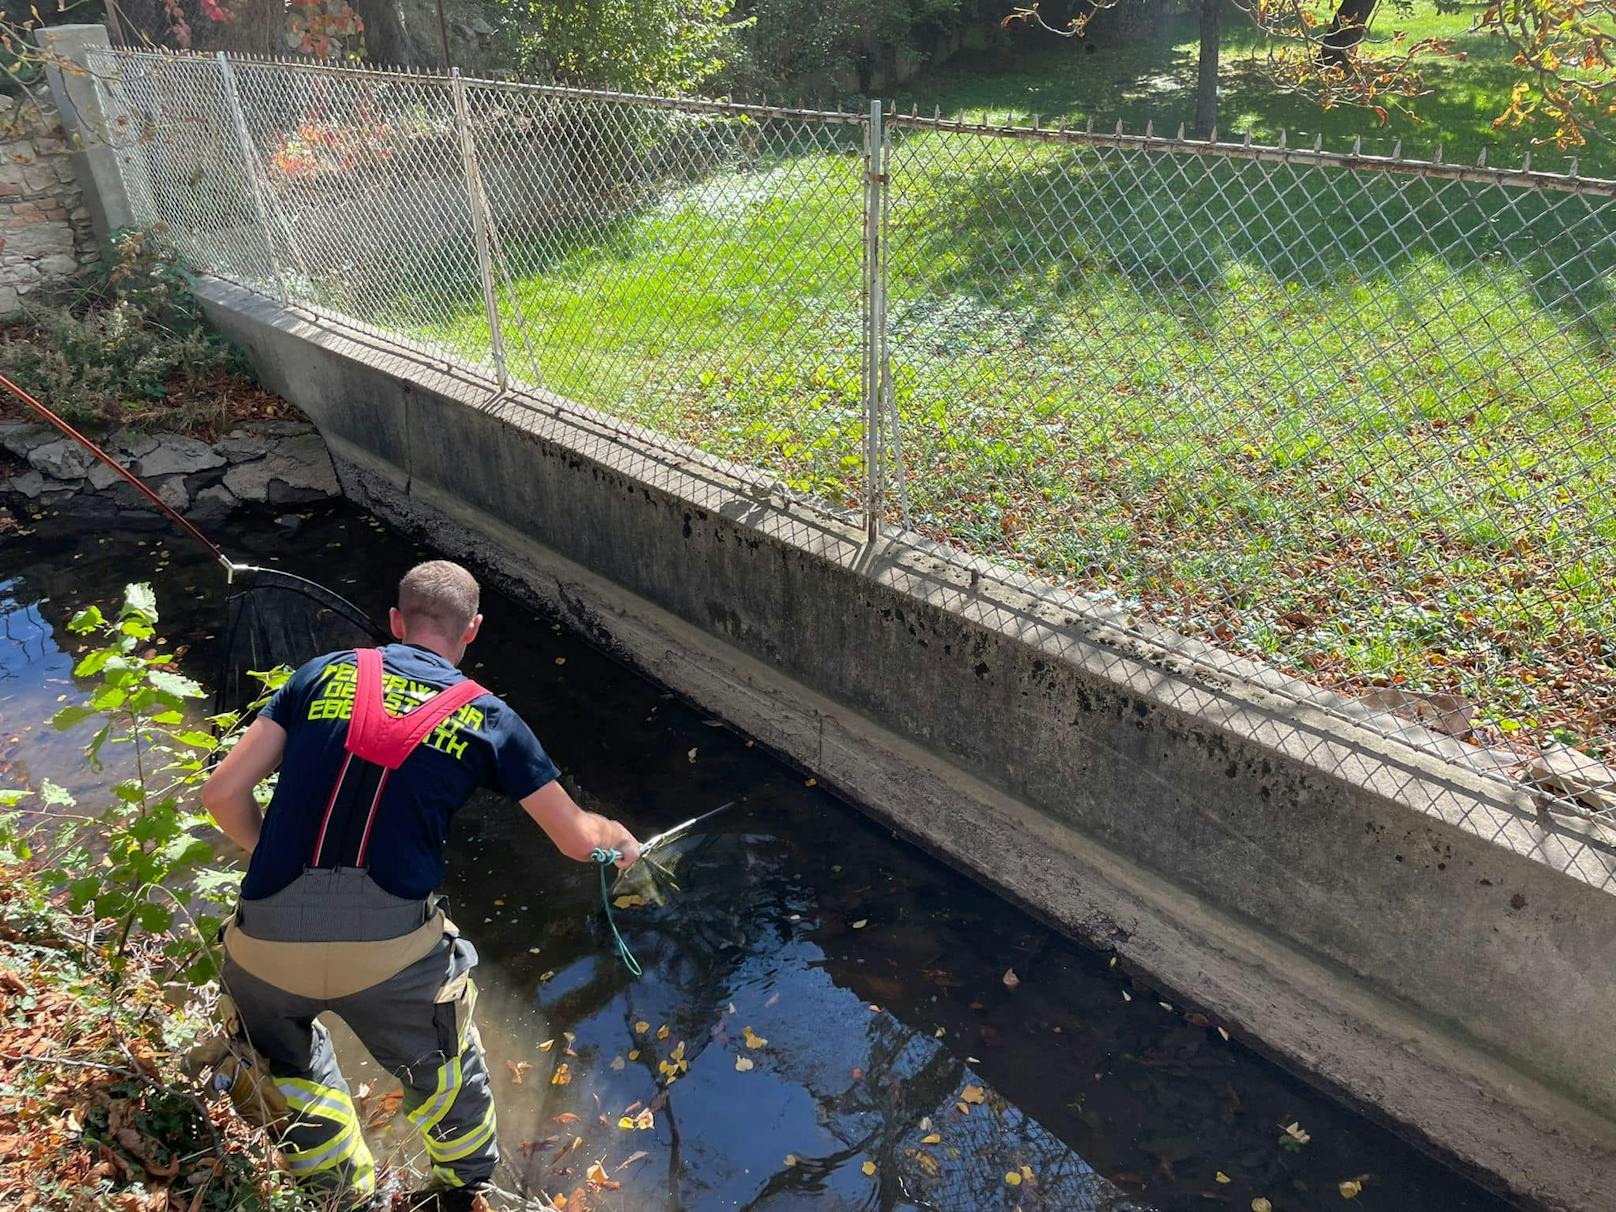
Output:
x=479 y=224
x=875 y=320
x=249 y=165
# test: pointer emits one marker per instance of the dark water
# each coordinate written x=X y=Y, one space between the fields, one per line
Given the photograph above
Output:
x=875 y=974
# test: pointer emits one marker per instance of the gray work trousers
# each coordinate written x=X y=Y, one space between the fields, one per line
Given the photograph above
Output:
x=430 y=1045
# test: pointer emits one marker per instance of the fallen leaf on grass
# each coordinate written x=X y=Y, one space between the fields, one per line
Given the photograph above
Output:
x=1013 y=1177
x=927 y=1162
x=973 y=1094
x=934 y=1139
x=519 y=1070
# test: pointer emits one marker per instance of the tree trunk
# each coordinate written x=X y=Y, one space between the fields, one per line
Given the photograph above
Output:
x=1206 y=81
x=1348 y=28
x=390 y=40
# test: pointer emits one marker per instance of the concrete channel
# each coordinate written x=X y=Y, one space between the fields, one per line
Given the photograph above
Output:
x=1423 y=943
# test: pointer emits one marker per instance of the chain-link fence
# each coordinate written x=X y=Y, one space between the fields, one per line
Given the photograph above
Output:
x=1346 y=424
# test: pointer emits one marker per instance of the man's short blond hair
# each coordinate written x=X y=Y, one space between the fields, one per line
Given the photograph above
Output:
x=440 y=596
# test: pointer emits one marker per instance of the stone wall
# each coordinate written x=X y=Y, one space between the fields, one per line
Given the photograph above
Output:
x=260 y=462
x=45 y=233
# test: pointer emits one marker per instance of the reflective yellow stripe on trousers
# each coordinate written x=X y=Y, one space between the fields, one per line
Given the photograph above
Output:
x=323 y=1103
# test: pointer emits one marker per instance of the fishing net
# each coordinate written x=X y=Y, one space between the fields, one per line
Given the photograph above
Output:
x=274 y=618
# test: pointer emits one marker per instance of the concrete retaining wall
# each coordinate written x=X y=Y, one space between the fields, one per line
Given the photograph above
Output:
x=1420 y=941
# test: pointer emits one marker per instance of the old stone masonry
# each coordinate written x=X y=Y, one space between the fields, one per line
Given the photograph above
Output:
x=45 y=233
x=261 y=462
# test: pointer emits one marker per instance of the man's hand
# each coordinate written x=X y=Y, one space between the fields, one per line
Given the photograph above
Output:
x=628 y=847
x=228 y=793
x=576 y=833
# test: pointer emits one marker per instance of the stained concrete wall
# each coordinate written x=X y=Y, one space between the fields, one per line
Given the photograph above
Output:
x=1413 y=938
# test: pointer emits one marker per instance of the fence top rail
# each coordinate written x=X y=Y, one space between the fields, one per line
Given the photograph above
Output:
x=1177 y=144
x=693 y=105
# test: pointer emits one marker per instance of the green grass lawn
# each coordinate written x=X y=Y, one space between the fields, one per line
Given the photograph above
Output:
x=1360 y=425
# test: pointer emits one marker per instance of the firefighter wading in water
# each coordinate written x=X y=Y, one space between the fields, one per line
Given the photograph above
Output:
x=377 y=750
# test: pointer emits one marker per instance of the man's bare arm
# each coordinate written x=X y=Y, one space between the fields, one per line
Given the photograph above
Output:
x=228 y=793
x=577 y=833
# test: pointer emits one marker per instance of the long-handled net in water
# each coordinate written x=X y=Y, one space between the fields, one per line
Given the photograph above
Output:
x=272 y=618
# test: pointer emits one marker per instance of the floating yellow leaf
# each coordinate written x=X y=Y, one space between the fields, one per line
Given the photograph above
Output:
x=644 y=1121
x=934 y=1139
x=926 y=1162
x=962 y=1108
x=641 y=1027
x=518 y=1070
x=809 y=782
x=1350 y=1189
x=743 y=1063
x=547 y=1045
x=973 y=1094
x=1261 y=1205
x=634 y=1054
x=626 y=1124
x=561 y=1076
x=861 y=923
x=791 y=1159
x=678 y=1053
x=629 y=902
x=499 y=900
x=1013 y=1177
x=617 y=1064
x=662 y=1031
x=753 y=1039
x=868 y=1167
x=1221 y=1177
x=1011 y=980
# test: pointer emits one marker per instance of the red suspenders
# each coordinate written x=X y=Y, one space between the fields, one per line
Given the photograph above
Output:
x=385 y=740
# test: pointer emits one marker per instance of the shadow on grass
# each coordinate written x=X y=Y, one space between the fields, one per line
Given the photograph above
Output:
x=994 y=217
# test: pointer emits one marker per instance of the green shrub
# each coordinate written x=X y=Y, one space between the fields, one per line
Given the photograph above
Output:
x=131 y=345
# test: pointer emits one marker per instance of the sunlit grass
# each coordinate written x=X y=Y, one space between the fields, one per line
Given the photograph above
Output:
x=1361 y=426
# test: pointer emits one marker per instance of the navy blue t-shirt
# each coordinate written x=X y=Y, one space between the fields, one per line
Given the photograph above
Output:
x=484 y=744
